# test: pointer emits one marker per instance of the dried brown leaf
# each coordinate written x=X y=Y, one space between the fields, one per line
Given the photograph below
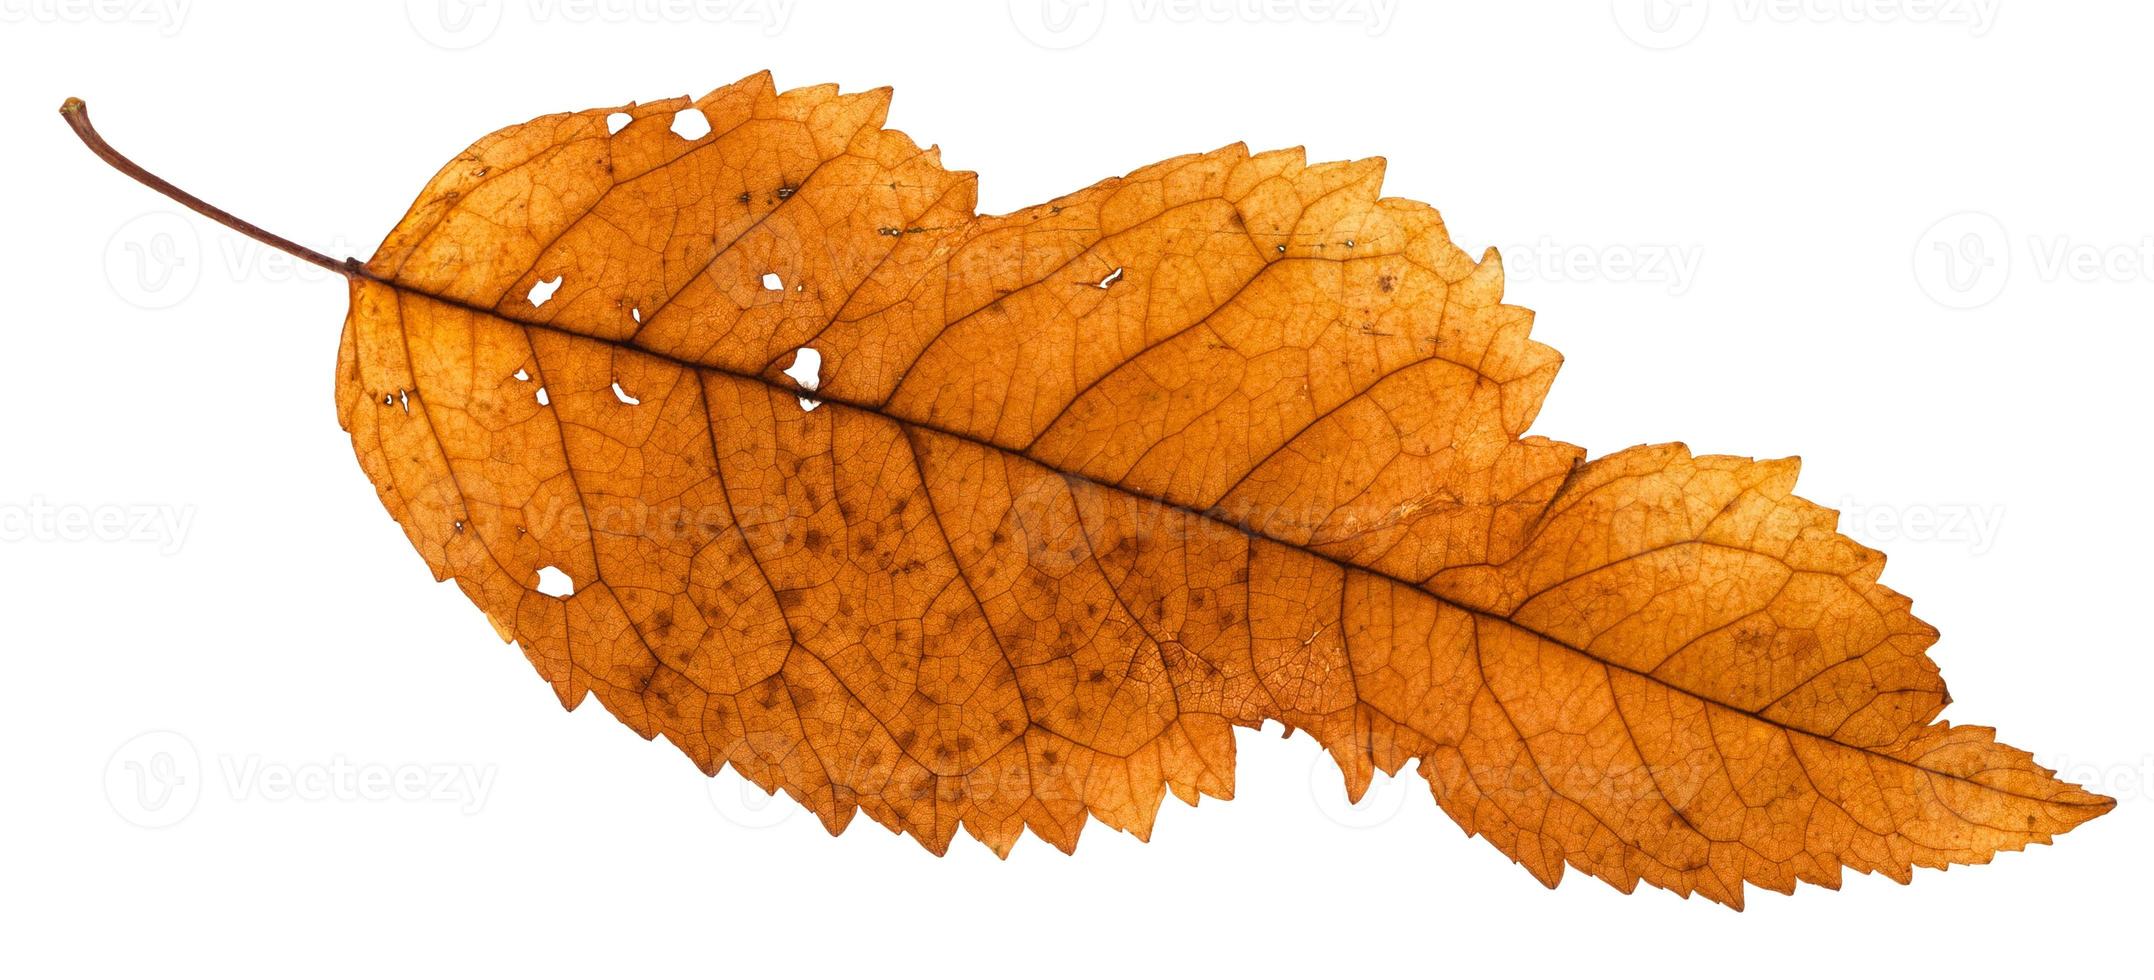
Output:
x=1078 y=489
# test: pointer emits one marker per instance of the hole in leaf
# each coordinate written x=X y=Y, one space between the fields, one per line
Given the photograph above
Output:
x=625 y=397
x=1111 y=278
x=691 y=124
x=635 y=313
x=616 y=120
x=543 y=290
x=521 y=375
x=771 y=281
x=403 y=398
x=807 y=372
x=555 y=582
x=542 y=399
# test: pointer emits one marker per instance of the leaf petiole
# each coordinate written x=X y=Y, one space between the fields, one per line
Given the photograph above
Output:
x=77 y=114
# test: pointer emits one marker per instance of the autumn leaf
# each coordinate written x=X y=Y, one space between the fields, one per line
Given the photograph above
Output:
x=1004 y=522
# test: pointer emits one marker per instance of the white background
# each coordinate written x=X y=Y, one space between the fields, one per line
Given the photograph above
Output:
x=1747 y=226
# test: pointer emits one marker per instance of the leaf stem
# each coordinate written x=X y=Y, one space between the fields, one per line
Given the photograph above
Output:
x=77 y=114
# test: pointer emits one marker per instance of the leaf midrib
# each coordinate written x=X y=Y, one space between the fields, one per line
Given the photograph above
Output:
x=359 y=271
